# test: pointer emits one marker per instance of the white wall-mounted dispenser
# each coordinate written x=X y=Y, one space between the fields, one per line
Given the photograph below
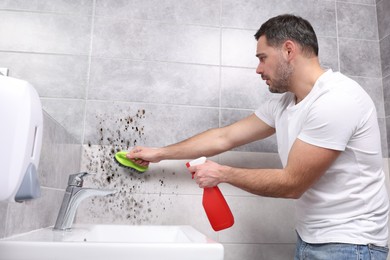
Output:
x=20 y=140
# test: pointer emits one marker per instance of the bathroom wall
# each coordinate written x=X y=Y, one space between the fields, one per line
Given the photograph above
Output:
x=383 y=9
x=166 y=55
x=117 y=73
x=60 y=155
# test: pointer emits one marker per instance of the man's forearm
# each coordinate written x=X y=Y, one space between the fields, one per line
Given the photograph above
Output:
x=263 y=182
x=208 y=143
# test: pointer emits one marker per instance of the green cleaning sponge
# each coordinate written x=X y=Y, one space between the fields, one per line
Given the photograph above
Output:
x=121 y=158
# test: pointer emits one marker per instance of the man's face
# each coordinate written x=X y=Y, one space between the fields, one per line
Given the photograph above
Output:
x=273 y=67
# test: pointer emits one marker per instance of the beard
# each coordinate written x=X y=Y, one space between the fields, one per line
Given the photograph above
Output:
x=282 y=80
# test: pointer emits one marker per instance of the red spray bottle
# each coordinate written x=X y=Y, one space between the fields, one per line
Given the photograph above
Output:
x=214 y=204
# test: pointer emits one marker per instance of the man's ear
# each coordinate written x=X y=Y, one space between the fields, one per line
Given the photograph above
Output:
x=289 y=49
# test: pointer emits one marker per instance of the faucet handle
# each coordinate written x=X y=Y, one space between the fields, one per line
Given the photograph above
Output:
x=77 y=179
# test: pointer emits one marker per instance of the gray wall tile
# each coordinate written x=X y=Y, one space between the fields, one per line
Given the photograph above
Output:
x=207 y=12
x=63 y=6
x=238 y=48
x=149 y=40
x=60 y=76
x=383 y=10
x=251 y=14
x=57 y=143
x=242 y=88
x=3 y=218
x=34 y=214
x=368 y=2
x=385 y=55
x=154 y=82
x=387 y=122
x=328 y=53
x=386 y=95
x=373 y=86
x=230 y=116
x=383 y=132
x=49 y=33
x=69 y=113
x=355 y=21
x=128 y=124
x=361 y=60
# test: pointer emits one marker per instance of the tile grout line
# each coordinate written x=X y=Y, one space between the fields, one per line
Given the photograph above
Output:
x=338 y=38
x=220 y=66
x=88 y=71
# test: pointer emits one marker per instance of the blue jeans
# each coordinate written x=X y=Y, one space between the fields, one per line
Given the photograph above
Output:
x=339 y=251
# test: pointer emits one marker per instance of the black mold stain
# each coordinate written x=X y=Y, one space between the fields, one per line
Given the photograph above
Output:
x=130 y=204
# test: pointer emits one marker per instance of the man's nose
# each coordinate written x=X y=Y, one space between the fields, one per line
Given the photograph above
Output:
x=259 y=69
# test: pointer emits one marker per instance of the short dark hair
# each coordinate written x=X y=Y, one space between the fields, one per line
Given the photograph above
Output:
x=285 y=27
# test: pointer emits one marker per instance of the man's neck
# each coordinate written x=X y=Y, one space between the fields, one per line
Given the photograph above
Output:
x=304 y=78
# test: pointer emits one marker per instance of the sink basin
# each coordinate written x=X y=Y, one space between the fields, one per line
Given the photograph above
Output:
x=112 y=242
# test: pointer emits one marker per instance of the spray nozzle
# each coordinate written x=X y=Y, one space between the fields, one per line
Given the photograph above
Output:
x=199 y=161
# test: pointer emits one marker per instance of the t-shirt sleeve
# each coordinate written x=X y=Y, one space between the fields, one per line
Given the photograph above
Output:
x=267 y=111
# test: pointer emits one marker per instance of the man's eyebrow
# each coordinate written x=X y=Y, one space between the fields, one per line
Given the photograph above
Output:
x=260 y=54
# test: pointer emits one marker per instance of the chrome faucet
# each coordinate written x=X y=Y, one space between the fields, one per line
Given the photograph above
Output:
x=74 y=194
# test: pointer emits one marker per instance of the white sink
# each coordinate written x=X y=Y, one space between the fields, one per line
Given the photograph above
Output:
x=117 y=242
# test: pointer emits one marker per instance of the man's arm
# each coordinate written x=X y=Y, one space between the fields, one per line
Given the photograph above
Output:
x=208 y=143
x=306 y=164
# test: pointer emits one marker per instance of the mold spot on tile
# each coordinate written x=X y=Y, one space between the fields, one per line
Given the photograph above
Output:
x=132 y=203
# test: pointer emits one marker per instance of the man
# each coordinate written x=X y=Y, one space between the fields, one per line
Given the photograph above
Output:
x=328 y=140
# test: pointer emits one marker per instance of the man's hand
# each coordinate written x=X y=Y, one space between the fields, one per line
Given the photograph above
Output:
x=208 y=174
x=144 y=155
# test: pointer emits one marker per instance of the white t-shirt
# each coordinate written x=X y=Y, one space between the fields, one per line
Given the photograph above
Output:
x=349 y=203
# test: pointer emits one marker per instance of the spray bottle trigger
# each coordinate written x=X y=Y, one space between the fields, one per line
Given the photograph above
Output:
x=198 y=161
x=188 y=165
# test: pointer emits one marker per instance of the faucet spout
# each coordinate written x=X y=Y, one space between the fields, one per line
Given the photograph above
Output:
x=74 y=195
